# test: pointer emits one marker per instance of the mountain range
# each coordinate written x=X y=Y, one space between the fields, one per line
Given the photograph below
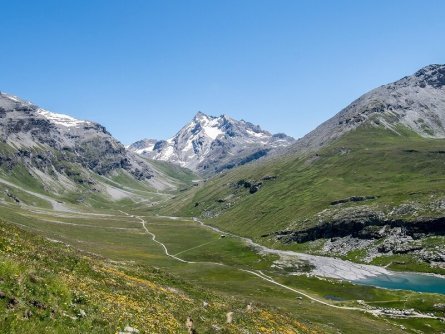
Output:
x=206 y=235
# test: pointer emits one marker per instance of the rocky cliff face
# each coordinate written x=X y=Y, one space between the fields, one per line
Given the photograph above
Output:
x=211 y=144
x=377 y=232
x=59 y=144
x=416 y=102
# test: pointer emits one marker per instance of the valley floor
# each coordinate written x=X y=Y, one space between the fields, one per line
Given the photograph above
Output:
x=232 y=267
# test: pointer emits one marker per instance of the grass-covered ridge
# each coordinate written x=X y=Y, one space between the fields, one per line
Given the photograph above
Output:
x=48 y=287
x=369 y=161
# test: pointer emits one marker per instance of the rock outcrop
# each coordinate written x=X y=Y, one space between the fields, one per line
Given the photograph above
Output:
x=374 y=232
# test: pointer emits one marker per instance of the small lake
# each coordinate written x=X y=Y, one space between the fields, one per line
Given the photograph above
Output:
x=406 y=281
x=358 y=273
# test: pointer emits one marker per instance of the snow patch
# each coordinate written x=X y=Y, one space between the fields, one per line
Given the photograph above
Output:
x=146 y=149
x=60 y=119
x=12 y=98
x=256 y=134
x=212 y=132
x=167 y=153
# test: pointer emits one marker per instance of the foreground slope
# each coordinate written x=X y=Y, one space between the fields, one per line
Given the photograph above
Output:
x=198 y=255
x=48 y=287
x=367 y=184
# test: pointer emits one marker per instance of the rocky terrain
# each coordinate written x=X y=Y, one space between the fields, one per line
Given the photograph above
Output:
x=416 y=103
x=211 y=144
x=377 y=232
x=56 y=148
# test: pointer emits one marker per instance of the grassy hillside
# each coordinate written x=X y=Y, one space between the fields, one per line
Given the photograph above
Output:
x=124 y=245
x=48 y=287
x=393 y=169
x=174 y=171
x=30 y=186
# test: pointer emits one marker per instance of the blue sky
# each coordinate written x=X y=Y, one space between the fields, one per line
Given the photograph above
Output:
x=144 y=68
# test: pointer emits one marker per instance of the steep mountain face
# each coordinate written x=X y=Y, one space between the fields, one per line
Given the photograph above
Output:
x=211 y=144
x=367 y=184
x=58 y=147
x=416 y=102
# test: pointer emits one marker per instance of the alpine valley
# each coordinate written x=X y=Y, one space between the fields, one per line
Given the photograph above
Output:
x=225 y=227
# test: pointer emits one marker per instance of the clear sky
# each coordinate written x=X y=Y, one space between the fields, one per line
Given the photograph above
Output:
x=144 y=68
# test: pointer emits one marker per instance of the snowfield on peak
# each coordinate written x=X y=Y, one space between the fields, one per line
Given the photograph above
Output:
x=8 y=101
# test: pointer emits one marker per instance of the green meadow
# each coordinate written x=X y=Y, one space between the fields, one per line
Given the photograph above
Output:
x=218 y=266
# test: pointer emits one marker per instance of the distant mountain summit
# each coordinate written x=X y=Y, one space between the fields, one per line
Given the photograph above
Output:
x=416 y=102
x=211 y=144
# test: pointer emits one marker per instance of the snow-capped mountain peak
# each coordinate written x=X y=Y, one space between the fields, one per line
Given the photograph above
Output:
x=205 y=125
x=211 y=144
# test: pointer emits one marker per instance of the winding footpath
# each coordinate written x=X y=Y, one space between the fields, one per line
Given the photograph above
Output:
x=264 y=277
x=153 y=238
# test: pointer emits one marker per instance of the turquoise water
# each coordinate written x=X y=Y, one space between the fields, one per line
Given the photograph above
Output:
x=407 y=281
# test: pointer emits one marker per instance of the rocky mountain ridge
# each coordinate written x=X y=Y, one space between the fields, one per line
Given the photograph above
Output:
x=211 y=144
x=416 y=102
